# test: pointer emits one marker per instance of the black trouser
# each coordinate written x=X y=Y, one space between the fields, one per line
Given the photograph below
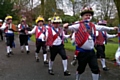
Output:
x=100 y=51
x=90 y=58
x=1 y=34
x=54 y=50
x=23 y=40
x=10 y=40
x=40 y=44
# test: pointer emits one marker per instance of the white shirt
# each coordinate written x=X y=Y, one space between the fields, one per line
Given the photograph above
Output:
x=89 y=44
x=47 y=26
x=4 y=26
x=107 y=35
x=19 y=26
x=33 y=31
x=75 y=27
x=58 y=40
x=73 y=37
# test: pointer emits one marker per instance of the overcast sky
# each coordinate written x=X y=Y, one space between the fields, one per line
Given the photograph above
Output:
x=66 y=6
x=67 y=9
x=36 y=2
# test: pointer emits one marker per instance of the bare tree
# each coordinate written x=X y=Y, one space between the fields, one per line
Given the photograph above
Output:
x=117 y=3
x=105 y=9
x=42 y=8
x=78 y=5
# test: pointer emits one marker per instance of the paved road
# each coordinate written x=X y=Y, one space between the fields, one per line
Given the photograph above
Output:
x=21 y=66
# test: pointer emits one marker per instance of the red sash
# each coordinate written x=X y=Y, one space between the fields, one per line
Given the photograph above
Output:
x=41 y=31
x=51 y=38
x=82 y=34
x=21 y=27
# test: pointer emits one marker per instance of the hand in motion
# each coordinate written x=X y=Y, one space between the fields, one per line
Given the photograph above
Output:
x=116 y=35
x=26 y=31
x=65 y=25
x=115 y=28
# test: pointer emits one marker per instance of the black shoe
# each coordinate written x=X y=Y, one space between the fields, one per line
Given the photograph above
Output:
x=106 y=69
x=67 y=73
x=11 y=53
x=50 y=71
x=46 y=62
x=37 y=60
x=8 y=55
x=22 y=51
x=28 y=52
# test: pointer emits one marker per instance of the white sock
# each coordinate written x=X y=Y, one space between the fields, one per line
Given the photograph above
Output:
x=8 y=49
x=21 y=48
x=95 y=76
x=77 y=76
x=50 y=64
x=36 y=55
x=5 y=39
x=27 y=49
x=75 y=56
x=103 y=62
x=64 y=64
x=45 y=57
x=47 y=47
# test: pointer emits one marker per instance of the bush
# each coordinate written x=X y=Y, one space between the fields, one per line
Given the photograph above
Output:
x=69 y=19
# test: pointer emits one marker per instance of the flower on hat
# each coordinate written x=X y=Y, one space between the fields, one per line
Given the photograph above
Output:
x=86 y=9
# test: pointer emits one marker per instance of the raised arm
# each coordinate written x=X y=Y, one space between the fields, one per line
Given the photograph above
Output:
x=105 y=28
x=65 y=36
x=32 y=31
x=3 y=26
x=111 y=35
x=73 y=27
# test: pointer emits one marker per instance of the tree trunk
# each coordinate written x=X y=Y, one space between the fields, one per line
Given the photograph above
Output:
x=42 y=8
x=73 y=9
x=117 y=3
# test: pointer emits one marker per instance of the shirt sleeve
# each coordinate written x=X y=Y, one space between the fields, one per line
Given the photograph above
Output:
x=19 y=27
x=3 y=26
x=97 y=33
x=73 y=37
x=65 y=36
x=110 y=35
x=27 y=26
x=103 y=28
x=46 y=34
x=47 y=26
x=32 y=31
x=74 y=27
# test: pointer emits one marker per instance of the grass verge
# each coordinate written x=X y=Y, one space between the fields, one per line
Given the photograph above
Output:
x=110 y=48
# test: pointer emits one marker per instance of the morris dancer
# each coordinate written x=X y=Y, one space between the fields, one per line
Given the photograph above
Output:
x=23 y=37
x=1 y=32
x=85 y=32
x=55 y=40
x=101 y=40
x=9 y=29
x=39 y=31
